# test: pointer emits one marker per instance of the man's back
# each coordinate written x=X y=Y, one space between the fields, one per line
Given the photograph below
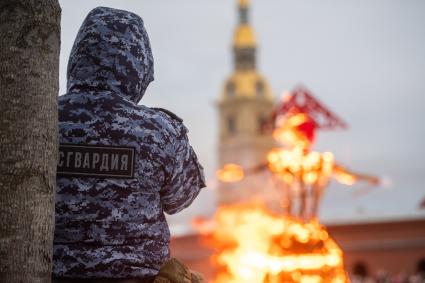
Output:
x=121 y=165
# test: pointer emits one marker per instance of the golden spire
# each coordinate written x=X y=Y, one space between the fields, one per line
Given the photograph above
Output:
x=244 y=37
x=244 y=34
x=243 y=3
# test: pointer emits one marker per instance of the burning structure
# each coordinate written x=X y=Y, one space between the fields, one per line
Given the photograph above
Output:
x=278 y=239
x=256 y=245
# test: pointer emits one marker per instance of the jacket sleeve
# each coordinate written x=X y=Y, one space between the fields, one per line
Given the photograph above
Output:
x=184 y=175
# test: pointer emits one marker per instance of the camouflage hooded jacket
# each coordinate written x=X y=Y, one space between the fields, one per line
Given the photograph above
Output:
x=121 y=165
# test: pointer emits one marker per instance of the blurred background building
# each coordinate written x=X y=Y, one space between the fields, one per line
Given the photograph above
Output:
x=362 y=58
x=374 y=248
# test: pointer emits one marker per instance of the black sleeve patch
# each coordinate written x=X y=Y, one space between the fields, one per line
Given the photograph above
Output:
x=96 y=161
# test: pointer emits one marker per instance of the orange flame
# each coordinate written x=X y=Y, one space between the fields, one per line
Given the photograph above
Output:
x=255 y=245
x=286 y=131
x=311 y=168
x=230 y=173
x=346 y=177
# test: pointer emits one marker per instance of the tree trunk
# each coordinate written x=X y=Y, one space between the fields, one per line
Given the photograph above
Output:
x=29 y=68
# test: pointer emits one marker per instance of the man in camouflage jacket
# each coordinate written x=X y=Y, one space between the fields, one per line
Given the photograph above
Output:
x=121 y=165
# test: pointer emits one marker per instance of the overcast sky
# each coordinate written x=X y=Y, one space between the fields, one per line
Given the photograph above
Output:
x=365 y=59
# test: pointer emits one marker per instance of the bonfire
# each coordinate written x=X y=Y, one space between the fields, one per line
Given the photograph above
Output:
x=254 y=244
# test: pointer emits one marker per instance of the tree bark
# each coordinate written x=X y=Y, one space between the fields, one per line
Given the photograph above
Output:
x=29 y=68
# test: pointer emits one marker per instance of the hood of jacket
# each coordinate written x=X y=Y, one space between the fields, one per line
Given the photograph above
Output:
x=111 y=52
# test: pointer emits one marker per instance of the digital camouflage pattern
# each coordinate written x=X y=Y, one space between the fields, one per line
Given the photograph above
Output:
x=112 y=227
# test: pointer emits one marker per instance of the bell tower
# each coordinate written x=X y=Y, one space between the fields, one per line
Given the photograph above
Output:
x=244 y=105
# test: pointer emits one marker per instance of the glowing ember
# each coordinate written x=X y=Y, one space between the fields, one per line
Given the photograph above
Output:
x=311 y=167
x=257 y=246
x=230 y=173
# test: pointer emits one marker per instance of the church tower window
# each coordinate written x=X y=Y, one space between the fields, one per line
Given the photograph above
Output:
x=231 y=125
x=260 y=88
x=262 y=124
x=230 y=88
